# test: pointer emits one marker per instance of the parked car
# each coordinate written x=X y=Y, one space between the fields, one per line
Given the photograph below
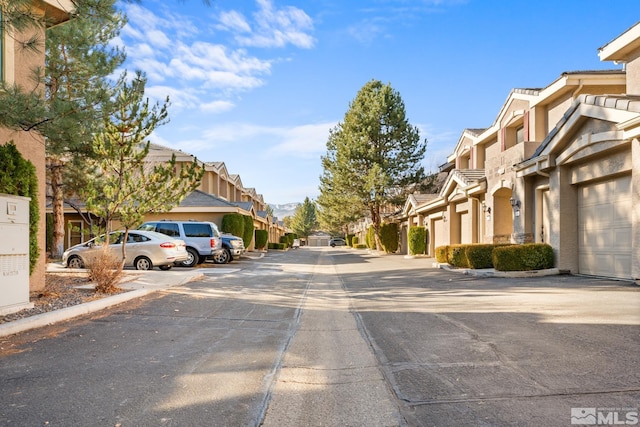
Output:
x=296 y=243
x=144 y=250
x=233 y=248
x=337 y=241
x=202 y=238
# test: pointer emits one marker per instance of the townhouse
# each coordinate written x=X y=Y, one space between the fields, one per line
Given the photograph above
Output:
x=16 y=65
x=219 y=193
x=559 y=165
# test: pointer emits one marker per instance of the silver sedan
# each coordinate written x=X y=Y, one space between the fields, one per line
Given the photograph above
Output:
x=144 y=250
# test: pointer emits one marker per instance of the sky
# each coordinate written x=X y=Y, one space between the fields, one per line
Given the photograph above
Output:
x=258 y=84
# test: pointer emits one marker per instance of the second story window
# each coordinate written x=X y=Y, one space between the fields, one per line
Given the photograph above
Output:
x=519 y=134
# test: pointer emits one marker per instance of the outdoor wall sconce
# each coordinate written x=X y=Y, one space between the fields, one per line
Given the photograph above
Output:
x=486 y=209
x=444 y=217
x=514 y=203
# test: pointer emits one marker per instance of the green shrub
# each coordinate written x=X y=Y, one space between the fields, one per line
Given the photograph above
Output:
x=457 y=256
x=19 y=178
x=360 y=246
x=355 y=240
x=417 y=240
x=247 y=233
x=278 y=246
x=233 y=223
x=262 y=237
x=389 y=237
x=371 y=239
x=441 y=254
x=530 y=256
x=479 y=256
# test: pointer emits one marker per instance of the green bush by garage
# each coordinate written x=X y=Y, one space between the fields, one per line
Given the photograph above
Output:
x=525 y=257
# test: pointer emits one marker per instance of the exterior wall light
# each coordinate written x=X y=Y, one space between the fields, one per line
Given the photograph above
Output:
x=514 y=203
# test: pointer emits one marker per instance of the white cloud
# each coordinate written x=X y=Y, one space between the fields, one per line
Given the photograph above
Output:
x=217 y=106
x=272 y=26
x=233 y=20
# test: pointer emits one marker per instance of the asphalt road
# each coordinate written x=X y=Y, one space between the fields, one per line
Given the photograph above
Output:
x=336 y=337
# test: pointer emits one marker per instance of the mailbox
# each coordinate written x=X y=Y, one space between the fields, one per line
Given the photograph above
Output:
x=14 y=253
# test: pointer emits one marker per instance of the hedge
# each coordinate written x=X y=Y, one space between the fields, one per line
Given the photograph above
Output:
x=457 y=256
x=360 y=246
x=371 y=239
x=417 y=240
x=247 y=233
x=350 y=238
x=479 y=256
x=389 y=237
x=530 y=256
x=280 y=246
x=355 y=241
x=262 y=237
x=233 y=223
x=441 y=254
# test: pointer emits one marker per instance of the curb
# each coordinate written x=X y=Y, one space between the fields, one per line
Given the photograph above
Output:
x=490 y=272
x=45 y=319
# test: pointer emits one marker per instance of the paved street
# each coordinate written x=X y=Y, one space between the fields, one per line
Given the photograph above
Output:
x=335 y=337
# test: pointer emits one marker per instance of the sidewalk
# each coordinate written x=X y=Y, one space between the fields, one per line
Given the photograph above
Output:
x=138 y=284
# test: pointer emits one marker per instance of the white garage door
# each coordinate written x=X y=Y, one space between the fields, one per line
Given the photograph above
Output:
x=465 y=228
x=604 y=228
x=439 y=237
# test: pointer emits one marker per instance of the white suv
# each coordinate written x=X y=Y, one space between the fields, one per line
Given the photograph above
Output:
x=201 y=237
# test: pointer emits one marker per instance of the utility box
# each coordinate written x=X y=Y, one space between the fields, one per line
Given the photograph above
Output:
x=14 y=254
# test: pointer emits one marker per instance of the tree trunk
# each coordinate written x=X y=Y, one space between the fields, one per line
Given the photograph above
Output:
x=375 y=219
x=57 y=205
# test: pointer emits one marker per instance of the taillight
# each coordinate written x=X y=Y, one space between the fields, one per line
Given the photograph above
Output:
x=213 y=243
x=167 y=245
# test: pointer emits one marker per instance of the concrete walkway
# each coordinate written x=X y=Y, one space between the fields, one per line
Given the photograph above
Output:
x=329 y=375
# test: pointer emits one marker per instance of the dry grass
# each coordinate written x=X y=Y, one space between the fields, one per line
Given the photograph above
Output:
x=106 y=272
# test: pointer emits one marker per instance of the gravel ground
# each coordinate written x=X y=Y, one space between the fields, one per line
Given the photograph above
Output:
x=61 y=291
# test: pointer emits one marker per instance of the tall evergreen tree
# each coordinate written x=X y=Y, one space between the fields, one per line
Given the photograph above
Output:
x=124 y=185
x=373 y=156
x=75 y=82
x=304 y=219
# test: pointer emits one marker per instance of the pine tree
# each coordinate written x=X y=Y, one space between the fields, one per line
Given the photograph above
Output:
x=124 y=185
x=304 y=219
x=75 y=83
x=373 y=157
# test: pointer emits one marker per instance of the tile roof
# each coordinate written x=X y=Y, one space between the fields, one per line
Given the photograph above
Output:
x=469 y=176
x=199 y=198
x=619 y=102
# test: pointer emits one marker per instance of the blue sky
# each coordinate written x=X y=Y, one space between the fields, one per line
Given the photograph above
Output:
x=258 y=84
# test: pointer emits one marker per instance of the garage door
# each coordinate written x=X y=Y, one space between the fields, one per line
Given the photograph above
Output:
x=604 y=228
x=439 y=237
x=465 y=228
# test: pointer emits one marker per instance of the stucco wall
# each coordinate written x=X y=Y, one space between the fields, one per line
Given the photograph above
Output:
x=31 y=145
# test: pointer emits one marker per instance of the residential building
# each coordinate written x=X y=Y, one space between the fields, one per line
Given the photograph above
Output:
x=219 y=193
x=16 y=65
x=559 y=165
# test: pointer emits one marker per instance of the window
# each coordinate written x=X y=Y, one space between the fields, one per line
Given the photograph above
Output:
x=520 y=134
x=197 y=230
x=75 y=233
x=168 y=229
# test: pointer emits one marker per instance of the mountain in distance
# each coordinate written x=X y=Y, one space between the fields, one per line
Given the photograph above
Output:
x=287 y=209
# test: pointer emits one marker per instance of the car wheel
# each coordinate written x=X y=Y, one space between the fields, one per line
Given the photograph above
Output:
x=165 y=267
x=221 y=257
x=143 y=263
x=192 y=258
x=75 y=262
